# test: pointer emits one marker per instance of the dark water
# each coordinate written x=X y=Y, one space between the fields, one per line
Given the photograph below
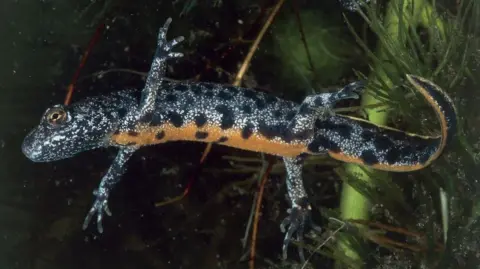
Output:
x=43 y=204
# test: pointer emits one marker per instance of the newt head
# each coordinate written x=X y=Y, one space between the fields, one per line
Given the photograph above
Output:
x=67 y=130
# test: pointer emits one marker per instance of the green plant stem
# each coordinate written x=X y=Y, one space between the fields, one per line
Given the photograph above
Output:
x=353 y=204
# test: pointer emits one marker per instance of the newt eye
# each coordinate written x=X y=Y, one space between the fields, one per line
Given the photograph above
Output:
x=56 y=116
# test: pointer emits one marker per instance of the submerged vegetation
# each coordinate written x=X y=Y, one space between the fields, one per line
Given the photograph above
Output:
x=370 y=219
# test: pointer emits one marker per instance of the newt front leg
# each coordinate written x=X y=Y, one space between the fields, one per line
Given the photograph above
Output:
x=136 y=116
x=112 y=176
x=157 y=69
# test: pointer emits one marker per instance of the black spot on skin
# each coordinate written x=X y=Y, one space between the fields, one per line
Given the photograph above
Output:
x=201 y=135
x=270 y=99
x=290 y=115
x=343 y=129
x=287 y=136
x=227 y=122
x=147 y=118
x=382 y=142
x=117 y=132
x=277 y=114
x=333 y=147
x=367 y=136
x=182 y=88
x=224 y=95
x=189 y=101
x=122 y=112
x=318 y=101
x=260 y=104
x=175 y=118
x=131 y=143
x=197 y=90
x=304 y=110
x=247 y=131
x=392 y=156
x=137 y=96
x=314 y=146
x=228 y=119
x=158 y=119
x=247 y=109
x=171 y=97
x=321 y=143
x=303 y=135
x=250 y=94
x=200 y=120
x=160 y=135
x=271 y=131
x=222 y=139
x=209 y=94
x=369 y=157
x=132 y=133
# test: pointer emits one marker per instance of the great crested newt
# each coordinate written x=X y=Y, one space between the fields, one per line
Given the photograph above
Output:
x=237 y=117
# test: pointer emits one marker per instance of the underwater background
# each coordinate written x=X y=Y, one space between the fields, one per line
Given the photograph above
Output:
x=369 y=219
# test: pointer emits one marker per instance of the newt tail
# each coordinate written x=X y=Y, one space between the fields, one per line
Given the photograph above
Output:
x=355 y=140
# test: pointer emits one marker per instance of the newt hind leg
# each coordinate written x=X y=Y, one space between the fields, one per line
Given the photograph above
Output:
x=300 y=212
x=319 y=106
